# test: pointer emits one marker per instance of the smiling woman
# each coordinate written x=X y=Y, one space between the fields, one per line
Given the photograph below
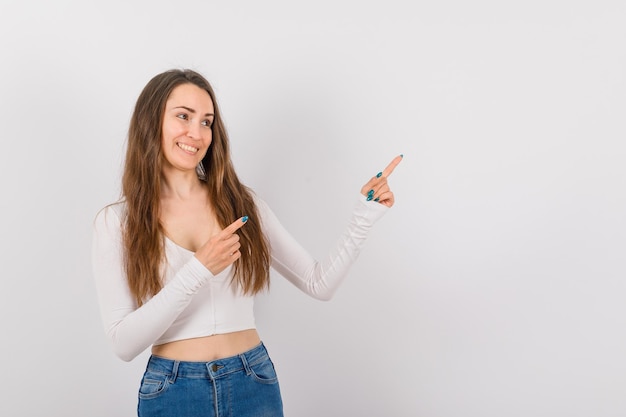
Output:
x=178 y=260
x=187 y=130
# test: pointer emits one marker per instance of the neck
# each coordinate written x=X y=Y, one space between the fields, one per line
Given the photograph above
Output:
x=180 y=185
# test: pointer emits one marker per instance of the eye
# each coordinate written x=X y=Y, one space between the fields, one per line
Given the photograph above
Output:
x=207 y=123
x=182 y=116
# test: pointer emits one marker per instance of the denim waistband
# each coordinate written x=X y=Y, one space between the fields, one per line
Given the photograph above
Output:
x=213 y=369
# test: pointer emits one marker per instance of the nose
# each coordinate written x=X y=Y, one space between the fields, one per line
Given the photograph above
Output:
x=194 y=131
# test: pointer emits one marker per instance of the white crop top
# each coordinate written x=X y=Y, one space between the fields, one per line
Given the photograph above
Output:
x=195 y=303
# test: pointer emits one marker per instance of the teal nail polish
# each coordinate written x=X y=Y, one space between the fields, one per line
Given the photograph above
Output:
x=380 y=174
x=244 y=219
x=377 y=199
x=370 y=192
x=401 y=155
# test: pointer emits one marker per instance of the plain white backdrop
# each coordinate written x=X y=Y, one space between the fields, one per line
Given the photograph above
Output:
x=496 y=285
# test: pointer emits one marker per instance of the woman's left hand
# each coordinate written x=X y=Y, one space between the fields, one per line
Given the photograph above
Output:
x=377 y=189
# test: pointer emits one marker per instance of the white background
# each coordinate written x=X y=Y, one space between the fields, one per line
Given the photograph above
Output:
x=496 y=285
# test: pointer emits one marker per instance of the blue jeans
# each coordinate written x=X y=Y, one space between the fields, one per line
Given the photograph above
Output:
x=239 y=386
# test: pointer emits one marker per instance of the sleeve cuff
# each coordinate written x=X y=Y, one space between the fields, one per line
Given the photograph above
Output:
x=372 y=211
x=195 y=275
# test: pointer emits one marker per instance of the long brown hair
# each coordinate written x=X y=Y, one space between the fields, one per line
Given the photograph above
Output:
x=143 y=237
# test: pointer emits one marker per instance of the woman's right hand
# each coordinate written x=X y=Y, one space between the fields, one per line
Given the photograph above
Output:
x=377 y=188
x=222 y=250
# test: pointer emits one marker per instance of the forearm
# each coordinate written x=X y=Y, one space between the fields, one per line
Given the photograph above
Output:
x=321 y=279
x=131 y=329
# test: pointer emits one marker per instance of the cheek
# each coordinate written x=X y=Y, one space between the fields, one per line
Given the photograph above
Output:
x=173 y=128
x=208 y=140
x=171 y=132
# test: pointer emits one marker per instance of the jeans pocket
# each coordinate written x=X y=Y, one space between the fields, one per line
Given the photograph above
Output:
x=264 y=372
x=152 y=385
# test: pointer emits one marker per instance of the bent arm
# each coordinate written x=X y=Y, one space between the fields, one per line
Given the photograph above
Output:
x=320 y=279
x=130 y=329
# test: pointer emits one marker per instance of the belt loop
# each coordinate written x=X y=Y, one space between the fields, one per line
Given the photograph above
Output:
x=245 y=364
x=174 y=372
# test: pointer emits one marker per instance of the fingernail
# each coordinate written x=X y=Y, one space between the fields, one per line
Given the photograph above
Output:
x=376 y=199
x=401 y=155
x=244 y=219
x=370 y=192
x=369 y=197
x=380 y=174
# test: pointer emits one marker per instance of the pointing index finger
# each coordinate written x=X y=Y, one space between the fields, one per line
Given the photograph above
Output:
x=392 y=165
x=234 y=226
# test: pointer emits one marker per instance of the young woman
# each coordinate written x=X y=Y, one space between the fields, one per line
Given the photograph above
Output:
x=177 y=262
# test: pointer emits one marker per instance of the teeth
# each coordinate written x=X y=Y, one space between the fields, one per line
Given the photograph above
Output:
x=187 y=148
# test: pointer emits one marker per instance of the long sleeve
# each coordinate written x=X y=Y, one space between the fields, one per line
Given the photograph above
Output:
x=320 y=279
x=130 y=329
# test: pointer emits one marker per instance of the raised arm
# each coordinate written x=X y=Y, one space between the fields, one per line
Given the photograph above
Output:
x=321 y=279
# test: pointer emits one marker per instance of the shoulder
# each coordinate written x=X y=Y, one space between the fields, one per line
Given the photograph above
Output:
x=261 y=205
x=258 y=201
x=111 y=214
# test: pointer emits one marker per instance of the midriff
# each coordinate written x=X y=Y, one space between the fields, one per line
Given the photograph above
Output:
x=209 y=348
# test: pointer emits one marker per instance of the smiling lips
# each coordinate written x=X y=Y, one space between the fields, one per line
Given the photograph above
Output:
x=187 y=148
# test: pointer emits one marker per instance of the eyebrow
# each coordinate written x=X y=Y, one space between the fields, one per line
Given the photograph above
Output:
x=190 y=110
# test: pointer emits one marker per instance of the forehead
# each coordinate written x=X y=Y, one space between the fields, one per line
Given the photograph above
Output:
x=192 y=96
